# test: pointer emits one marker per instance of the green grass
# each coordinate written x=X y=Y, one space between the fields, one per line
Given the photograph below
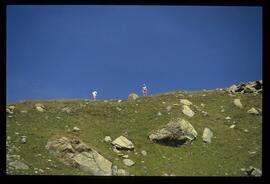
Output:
x=227 y=153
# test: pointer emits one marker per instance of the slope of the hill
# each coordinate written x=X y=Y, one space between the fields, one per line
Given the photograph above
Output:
x=231 y=151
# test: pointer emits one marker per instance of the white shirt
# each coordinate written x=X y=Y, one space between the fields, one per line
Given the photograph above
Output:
x=94 y=93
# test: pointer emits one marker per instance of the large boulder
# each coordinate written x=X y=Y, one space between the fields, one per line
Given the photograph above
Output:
x=250 y=87
x=133 y=96
x=176 y=132
x=123 y=143
x=187 y=111
x=77 y=154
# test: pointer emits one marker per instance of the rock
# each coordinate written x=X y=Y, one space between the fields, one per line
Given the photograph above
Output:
x=207 y=135
x=125 y=156
x=246 y=130
x=9 y=111
x=11 y=107
x=122 y=172
x=203 y=105
x=169 y=108
x=40 y=109
x=237 y=103
x=252 y=171
x=222 y=110
x=143 y=152
x=253 y=111
x=80 y=156
x=108 y=139
x=76 y=129
x=228 y=118
x=66 y=109
x=116 y=150
x=119 y=101
x=118 y=108
x=123 y=143
x=185 y=102
x=187 y=111
x=128 y=162
x=250 y=87
x=176 y=132
x=159 y=114
x=232 y=126
x=10 y=116
x=19 y=165
x=133 y=96
x=204 y=113
x=23 y=111
x=23 y=139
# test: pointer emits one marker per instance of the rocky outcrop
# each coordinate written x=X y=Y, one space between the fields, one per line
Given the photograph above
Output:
x=176 y=132
x=185 y=102
x=40 y=107
x=253 y=111
x=133 y=96
x=252 y=171
x=123 y=143
x=250 y=87
x=77 y=154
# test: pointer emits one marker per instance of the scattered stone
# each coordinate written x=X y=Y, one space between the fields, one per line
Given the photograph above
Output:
x=135 y=111
x=9 y=111
x=23 y=111
x=237 y=103
x=19 y=165
x=204 y=95
x=203 y=105
x=228 y=118
x=255 y=87
x=40 y=109
x=128 y=162
x=10 y=116
x=246 y=130
x=123 y=143
x=252 y=171
x=11 y=107
x=57 y=117
x=222 y=110
x=108 y=139
x=118 y=108
x=66 y=109
x=252 y=152
x=159 y=114
x=187 y=111
x=76 y=129
x=169 y=108
x=8 y=138
x=116 y=150
x=176 y=132
x=243 y=169
x=81 y=147
x=125 y=156
x=204 y=113
x=143 y=152
x=185 y=102
x=253 y=111
x=207 y=135
x=232 y=126
x=133 y=96
x=23 y=139
x=119 y=101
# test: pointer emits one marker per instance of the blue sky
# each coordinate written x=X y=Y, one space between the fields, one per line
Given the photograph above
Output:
x=64 y=52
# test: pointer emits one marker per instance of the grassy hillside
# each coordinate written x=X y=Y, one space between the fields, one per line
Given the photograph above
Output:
x=230 y=150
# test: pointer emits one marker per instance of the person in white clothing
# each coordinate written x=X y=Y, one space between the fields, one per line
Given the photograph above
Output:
x=144 y=90
x=94 y=94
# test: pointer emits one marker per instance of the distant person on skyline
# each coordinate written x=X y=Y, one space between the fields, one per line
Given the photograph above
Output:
x=144 y=90
x=94 y=94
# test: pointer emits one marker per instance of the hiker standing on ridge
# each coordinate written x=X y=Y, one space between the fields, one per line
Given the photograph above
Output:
x=94 y=94
x=144 y=90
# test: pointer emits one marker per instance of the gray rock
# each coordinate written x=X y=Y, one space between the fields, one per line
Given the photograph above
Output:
x=19 y=165
x=76 y=129
x=169 y=107
x=204 y=113
x=187 y=111
x=133 y=96
x=23 y=111
x=108 y=139
x=23 y=139
x=237 y=103
x=143 y=152
x=207 y=135
x=185 y=102
x=79 y=155
x=128 y=162
x=66 y=109
x=176 y=132
x=228 y=118
x=123 y=143
x=253 y=111
x=159 y=113
x=9 y=111
x=252 y=171
x=40 y=109
x=232 y=126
